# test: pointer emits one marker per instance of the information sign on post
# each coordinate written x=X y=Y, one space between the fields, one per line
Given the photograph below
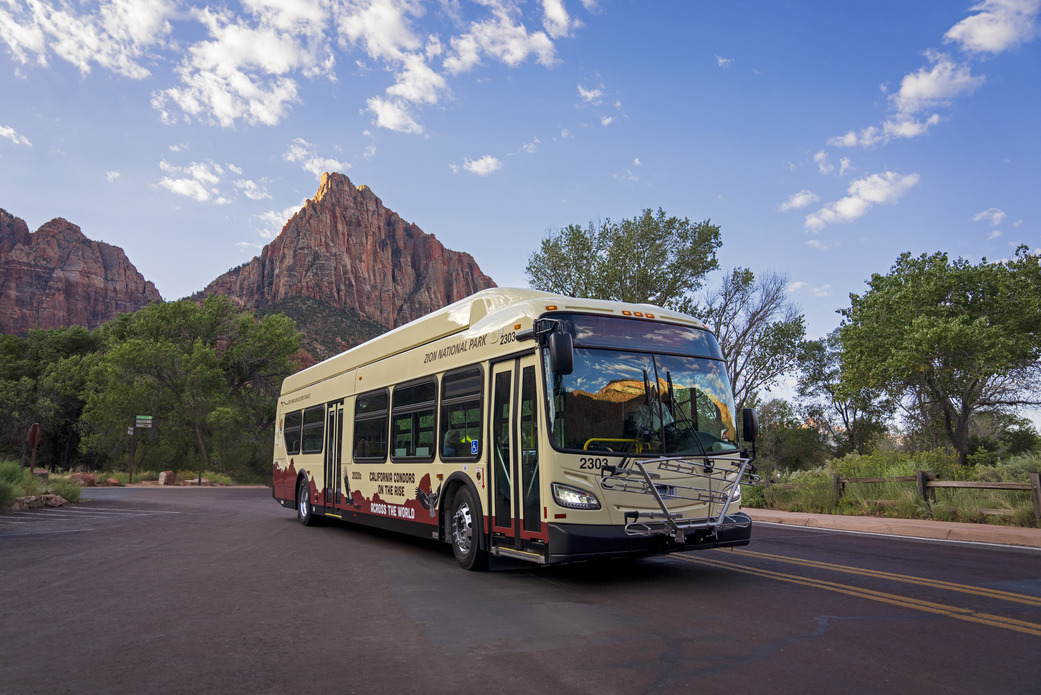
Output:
x=143 y=421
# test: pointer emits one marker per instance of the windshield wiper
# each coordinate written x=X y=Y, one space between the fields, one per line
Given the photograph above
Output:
x=691 y=430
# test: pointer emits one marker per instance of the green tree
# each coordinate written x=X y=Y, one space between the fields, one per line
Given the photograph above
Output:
x=41 y=379
x=786 y=441
x=208 y=373
x=758 y=327
x=853 y=416
x=949 y=338
x=652 y=258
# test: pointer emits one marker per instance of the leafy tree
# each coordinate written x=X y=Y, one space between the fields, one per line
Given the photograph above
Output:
x=208 y=373
x=758 y=327
x=651 y=259
x=41 y=376
x=786 y=441
x=952 y=338
x=853 y=417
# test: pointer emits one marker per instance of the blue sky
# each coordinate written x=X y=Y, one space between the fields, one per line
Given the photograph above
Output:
x=825 y=138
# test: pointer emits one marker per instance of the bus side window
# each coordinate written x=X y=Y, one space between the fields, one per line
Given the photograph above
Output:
x=292 y=432
x=413 y=410
x=370 y=427
x=461 y=415
x=313 y=430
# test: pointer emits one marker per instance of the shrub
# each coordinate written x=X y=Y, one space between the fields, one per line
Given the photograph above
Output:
x=8 y=493
x=69 y=490
x=11 y=472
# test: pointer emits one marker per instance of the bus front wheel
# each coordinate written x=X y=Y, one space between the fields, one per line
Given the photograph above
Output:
x=466 y=532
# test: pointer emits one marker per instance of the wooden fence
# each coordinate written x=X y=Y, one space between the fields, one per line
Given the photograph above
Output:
x=926 y=483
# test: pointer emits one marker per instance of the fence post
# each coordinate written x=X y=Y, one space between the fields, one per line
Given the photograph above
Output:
x=1035 y=491
x=836 y=486
x=921 y=478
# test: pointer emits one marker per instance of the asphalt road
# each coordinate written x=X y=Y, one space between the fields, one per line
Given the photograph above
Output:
x=221 y=590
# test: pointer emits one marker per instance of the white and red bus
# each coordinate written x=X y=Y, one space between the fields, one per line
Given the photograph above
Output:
x=524 y=425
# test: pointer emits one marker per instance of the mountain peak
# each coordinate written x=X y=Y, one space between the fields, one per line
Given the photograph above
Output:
x=345 y=248
x=56 y=276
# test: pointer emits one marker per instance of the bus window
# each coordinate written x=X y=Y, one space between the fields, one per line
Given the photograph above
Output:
x=370 y=427
x=461 y=415
x=292 y=431
x=313 y=430
x=412 y=421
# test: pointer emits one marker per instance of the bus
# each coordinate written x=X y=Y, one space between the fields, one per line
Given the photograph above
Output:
x=519 y=425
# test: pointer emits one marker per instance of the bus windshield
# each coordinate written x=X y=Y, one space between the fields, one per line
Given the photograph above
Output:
x=642 y=403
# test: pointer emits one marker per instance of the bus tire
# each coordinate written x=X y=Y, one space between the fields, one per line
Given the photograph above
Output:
x=304 y=510
x=465 y=531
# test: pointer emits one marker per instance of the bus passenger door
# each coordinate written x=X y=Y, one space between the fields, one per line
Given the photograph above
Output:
x=333 y=452
x=516 y=481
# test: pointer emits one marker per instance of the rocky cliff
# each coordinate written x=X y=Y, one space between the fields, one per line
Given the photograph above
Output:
x=346 y=249
x=56 y=277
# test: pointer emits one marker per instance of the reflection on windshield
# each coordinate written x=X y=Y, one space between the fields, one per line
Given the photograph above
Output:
x=626 y=402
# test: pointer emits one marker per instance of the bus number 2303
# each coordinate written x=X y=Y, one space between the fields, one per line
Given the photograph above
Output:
x=591 y=464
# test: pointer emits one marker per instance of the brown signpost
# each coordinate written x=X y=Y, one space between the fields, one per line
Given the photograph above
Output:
x=34 y=441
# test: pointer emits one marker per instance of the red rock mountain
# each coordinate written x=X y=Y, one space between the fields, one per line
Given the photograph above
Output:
x=346 y=249
x=56 y=277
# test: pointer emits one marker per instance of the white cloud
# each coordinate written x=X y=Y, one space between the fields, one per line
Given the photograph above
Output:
x=529 y=147
x=393 y=114
x=273 y=221
x=822 y=291
x=111 y=176
x=867 y=137
x=998 y=26
x=500 y=37
x=994 y=216
x=9 y=133
x=199 y=181
x=306 y=154
x=724 y=62
x=116 y=36
x=877 y=189
x=934 y=86
x=799 y=200
x=482 y=167
x=606 y=120
x=907 y=127
x=251 y=189
x=993 y=235
x=590 y=96
x=243 y=71
x=244 y=62
x=637 y=162
x=556 y=20
x=823 y=165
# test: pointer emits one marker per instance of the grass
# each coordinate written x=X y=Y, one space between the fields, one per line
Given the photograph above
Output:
x=813 y=491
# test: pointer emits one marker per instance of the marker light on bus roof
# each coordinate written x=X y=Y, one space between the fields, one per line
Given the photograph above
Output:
x=573 y=498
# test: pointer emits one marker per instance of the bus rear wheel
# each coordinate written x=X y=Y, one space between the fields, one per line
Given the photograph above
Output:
x=304 y=510
x=466 y=532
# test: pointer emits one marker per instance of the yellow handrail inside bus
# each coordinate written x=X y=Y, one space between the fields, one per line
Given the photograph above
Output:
x=637 y=446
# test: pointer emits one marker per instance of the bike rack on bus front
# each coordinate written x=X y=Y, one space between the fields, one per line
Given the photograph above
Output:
x=636 y=476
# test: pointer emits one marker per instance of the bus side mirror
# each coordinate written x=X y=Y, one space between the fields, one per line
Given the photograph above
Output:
x=749 y=425
x=561 y=353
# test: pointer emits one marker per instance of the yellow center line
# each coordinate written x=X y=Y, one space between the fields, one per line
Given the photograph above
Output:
x=907 y=579
x=880 y=596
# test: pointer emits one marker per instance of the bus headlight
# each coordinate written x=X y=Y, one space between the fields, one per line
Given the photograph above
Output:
x=574 y=498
